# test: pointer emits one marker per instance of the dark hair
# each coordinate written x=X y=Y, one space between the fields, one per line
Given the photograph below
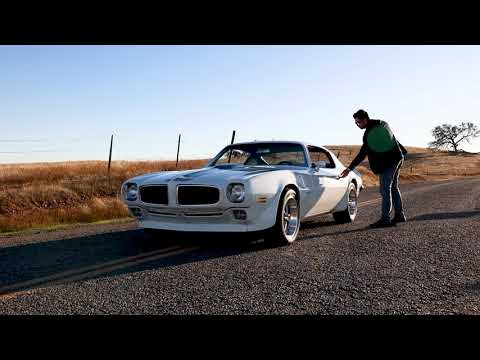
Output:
x=361 y=114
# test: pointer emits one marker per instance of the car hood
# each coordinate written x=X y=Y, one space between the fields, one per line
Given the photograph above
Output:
x=209 y=175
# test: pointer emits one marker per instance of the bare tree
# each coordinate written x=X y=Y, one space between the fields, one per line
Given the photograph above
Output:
x=452 y=135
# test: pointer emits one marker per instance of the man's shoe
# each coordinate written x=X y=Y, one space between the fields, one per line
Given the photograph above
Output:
x=399 y=219
x=381 y=224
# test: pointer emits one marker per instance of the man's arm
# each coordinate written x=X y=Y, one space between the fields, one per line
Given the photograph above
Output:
x=359 y=158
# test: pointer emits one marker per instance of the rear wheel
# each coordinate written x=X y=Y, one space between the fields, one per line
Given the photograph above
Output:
x=287 y=224
x=349 y=214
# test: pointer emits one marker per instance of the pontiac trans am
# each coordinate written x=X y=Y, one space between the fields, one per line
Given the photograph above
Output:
x=268 y=187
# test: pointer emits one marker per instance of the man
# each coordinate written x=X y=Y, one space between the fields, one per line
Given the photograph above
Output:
x=385 y=155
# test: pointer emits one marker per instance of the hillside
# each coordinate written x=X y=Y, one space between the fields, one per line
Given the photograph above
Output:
x=420 y=164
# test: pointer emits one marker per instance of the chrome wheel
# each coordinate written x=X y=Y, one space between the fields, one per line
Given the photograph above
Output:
x=290 y=216
x=348 y=215
x=352 y=202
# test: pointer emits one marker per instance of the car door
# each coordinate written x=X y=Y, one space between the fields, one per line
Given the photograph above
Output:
x=327 y=190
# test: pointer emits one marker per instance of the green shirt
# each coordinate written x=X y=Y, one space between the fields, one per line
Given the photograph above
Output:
x=380 y=145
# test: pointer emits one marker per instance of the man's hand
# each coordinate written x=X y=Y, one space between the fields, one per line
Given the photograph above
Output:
x=344 y=173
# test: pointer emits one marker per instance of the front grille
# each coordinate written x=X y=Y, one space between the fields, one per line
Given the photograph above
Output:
x=157 y=194
x=197 y=195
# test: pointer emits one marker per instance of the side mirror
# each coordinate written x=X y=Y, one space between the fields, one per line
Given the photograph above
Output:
x=314 y=166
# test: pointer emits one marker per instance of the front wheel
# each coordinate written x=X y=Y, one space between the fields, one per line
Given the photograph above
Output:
x=287 y=224
x=349 y=214
x=155 y=233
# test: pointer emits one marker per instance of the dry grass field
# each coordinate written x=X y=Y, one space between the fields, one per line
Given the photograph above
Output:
x=49 y=194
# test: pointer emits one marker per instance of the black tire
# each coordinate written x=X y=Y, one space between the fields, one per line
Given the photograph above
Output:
x=285 y=231
x=348 y=215
x=155 y=233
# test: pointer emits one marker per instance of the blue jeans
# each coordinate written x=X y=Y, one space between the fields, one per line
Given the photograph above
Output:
x=390 y=191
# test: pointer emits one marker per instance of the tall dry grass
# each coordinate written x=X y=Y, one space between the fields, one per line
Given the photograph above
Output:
x=39 y=195
x=93 y=210
x=40 y=173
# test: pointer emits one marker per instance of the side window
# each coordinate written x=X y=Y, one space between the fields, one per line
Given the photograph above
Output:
x=320 y=158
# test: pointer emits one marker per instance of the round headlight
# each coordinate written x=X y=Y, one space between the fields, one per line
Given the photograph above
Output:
x=236 y=193
x=130 y=191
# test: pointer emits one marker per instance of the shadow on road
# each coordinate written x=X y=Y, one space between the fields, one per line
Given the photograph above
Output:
x=445 y=215
x=335 y=233
x=28 y=262
x=473 y=287
x=316 y=224
x=33 y=261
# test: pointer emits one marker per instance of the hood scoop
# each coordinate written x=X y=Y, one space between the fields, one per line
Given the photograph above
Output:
x=192 y=175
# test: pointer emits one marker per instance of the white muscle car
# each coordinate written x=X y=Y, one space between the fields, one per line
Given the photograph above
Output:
x=248 y=187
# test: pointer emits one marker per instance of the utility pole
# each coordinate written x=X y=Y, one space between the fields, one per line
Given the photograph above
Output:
x=110 y=156
x=230 y=155
x=178 y=148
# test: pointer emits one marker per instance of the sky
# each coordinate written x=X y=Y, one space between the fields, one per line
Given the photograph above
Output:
x=61 y=103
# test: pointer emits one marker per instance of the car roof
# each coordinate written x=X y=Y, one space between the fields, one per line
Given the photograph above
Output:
x=278 y=141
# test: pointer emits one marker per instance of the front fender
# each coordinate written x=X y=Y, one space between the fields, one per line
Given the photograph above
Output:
x=271 y=186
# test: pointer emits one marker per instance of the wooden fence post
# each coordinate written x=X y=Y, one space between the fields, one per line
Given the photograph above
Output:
x=231 y=142
x=110 y=156
x=178 y=149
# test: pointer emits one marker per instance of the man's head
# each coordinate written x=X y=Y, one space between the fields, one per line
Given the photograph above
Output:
x=361 y=118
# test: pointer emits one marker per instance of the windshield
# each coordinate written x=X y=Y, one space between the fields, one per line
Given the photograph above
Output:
x=262 y=154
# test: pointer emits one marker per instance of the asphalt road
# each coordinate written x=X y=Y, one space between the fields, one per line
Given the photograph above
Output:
x=429 y=265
